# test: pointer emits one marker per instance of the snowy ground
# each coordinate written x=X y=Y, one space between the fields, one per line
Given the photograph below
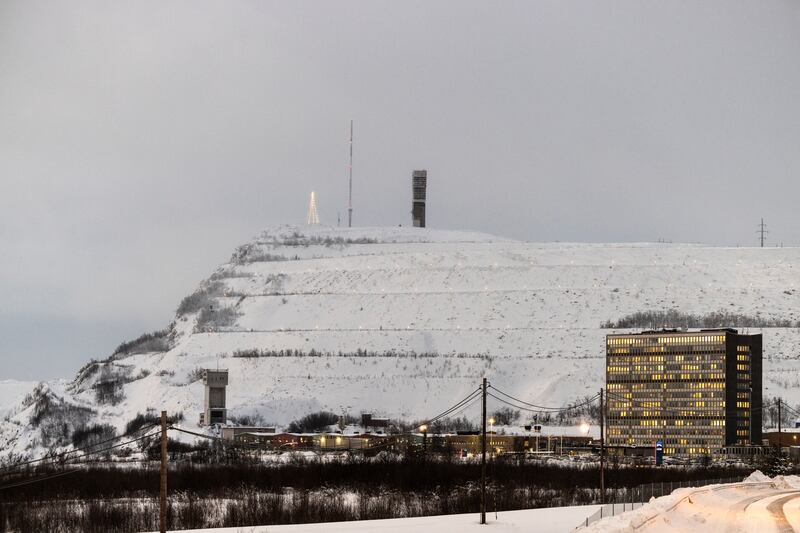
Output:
x=552 y=520
x=760 y=505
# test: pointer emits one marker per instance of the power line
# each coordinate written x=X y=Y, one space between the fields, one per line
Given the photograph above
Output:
x=562 y=408
x=245 y=447
x=466 y=406
x=120 y=445
x=38 y=480
x=474 y=394
x=64 y=454
x=513 y=405
x=790 y=408
x=209 y=437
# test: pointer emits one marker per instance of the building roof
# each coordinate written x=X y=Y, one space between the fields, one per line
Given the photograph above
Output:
x=676 y=331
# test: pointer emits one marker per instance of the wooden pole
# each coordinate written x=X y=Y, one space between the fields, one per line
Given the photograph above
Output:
x=602 y=452
x=483 y=455
x=780 y=434
x=163 y=514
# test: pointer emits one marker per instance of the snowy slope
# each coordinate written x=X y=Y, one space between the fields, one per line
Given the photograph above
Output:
x=526 y=315
x=759 y=505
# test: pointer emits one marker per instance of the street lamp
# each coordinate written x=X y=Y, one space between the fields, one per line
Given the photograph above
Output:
x=424 y=429
x=491 y=427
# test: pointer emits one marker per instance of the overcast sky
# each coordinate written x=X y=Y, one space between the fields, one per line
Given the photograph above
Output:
x=140 y=142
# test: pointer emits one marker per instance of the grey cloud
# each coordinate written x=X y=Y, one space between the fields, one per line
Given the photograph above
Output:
x=140 y=142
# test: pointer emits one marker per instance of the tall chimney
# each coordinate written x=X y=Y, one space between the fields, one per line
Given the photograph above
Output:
x=419 y=185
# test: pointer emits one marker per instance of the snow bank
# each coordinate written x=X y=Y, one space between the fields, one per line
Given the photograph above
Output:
x=757 y=477
x=735 y=507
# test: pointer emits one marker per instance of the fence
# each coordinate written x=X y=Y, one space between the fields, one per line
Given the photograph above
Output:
x=622 y=500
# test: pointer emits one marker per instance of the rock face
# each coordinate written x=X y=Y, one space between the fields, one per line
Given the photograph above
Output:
x=404 y=322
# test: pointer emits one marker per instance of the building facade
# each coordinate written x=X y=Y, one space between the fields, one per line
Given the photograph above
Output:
x=697 y=391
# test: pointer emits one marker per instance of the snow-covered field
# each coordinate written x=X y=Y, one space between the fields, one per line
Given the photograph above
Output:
x=553 y=520
x=526 y=315
x=759 y=505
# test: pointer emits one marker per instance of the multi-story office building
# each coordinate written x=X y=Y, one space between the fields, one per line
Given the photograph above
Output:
x=698 y=391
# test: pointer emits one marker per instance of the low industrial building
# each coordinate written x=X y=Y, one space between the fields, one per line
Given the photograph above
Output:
x=787 y=437
x=230 y=433
x=276 y=441
x=368 y=421
x=471 y=444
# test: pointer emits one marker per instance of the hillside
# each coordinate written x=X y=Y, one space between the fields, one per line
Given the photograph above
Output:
x=405 y=321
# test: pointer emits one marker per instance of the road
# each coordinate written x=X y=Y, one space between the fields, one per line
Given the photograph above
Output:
x=768 y=513
x=735 y=510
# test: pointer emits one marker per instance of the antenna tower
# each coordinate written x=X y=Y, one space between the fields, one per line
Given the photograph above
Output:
x=762 y=230
x=350 y=169
x=313 y=218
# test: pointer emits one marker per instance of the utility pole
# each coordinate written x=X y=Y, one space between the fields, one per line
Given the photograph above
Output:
x=762 y=230
x=602 y=452
x=350 y=169
x=163 y=514
x=664 y=415
x=483 y=455
x=780 y=435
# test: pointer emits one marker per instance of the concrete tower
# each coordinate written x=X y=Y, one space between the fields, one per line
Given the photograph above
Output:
x=419 y=185
x=215 y=411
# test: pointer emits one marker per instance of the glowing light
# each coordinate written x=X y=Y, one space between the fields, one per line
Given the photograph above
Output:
x=585 y=428
x=313 y=218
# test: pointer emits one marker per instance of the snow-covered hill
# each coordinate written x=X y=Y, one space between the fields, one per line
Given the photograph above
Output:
x=13 y=392
x=429 y=313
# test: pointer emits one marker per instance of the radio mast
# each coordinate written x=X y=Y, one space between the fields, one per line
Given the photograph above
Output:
x=350 y=168
x=762 y=229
